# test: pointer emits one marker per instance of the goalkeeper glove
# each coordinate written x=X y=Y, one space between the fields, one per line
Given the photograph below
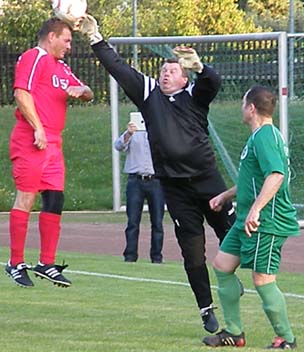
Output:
x=89 y=27
x=188 y=58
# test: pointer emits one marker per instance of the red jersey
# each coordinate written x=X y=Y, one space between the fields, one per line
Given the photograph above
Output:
x=46 y=79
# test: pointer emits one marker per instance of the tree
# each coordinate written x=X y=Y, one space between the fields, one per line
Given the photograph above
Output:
x=184 y=17
x=275 y=13
x=21 y=20
x=224 y=17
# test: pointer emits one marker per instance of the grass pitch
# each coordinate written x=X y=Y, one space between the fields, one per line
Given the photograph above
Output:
x=113 y=306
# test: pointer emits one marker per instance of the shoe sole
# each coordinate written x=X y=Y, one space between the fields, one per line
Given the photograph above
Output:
x=17 y=283
x=225 y=344
x=55 y=282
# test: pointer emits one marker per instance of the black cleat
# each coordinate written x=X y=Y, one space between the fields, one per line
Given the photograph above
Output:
x=281 y=344
x=224 y=338
x=209 y=320
x=19 y=274
x=53 y=273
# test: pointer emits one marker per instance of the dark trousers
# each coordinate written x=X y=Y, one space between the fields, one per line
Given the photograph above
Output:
x=136 y=192
x=188 y=204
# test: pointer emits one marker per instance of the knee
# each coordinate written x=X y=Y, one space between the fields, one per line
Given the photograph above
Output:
x=24 y=201
x=225 y=262
x=52 y=201
x=193 y=251
x=260 y=279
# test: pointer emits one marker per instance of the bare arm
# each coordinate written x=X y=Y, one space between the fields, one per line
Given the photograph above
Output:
x=270 y=187
x=26 y=106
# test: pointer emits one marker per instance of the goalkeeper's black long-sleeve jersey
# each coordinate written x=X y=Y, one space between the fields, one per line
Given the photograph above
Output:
x=177 y=124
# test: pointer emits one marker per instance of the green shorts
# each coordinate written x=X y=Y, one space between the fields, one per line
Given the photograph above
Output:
x=261 y=252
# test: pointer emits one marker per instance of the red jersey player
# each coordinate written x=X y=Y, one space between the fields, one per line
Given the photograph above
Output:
x=43 y=84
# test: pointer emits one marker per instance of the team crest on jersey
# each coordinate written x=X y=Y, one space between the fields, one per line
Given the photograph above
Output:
x=244 y=152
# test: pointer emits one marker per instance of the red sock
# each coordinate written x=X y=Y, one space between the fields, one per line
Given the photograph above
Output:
x=18 y=230
x=49 y=226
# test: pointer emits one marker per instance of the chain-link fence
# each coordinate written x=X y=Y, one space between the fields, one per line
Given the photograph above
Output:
x=240 y=64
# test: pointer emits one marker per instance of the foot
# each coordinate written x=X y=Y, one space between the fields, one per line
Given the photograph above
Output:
x=19 y=274
x=224 y=338
x=53 y=273
x=281 y=344
x=209 y=320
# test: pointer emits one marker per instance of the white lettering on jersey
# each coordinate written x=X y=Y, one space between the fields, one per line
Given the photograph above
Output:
x=60 y=82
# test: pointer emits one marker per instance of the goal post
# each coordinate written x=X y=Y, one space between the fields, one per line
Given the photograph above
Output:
x=280 y=62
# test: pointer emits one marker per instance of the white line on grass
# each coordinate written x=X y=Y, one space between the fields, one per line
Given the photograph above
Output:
x=166 y=282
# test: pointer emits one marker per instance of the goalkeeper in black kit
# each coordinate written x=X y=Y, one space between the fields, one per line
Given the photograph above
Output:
x=175 y=112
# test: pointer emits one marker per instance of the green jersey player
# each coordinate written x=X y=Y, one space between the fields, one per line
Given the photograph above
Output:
x=265 y=219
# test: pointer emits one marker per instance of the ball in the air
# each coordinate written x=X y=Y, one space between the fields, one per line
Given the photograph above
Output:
x=72 y=8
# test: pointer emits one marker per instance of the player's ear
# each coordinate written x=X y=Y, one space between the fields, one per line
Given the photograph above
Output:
x=51 y=36
x=251 y=107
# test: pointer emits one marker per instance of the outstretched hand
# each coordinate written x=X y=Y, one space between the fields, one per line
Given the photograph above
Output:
x=88 y=26
x=188 y=58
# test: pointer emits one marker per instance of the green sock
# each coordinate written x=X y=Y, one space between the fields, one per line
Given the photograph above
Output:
x=229 y=295
x=274 y=306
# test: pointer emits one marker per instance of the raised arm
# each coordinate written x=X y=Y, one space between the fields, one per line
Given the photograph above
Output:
x=132 y=81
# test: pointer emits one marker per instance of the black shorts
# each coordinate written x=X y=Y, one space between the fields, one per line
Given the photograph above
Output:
x=187 y=200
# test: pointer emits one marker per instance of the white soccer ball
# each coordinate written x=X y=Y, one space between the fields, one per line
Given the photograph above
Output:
x=70 y=10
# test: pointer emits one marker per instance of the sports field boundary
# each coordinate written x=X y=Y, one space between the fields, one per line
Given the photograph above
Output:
x=103 y=233
x=157 y=281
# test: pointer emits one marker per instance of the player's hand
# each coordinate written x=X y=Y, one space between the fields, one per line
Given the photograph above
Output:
x=88 y=26
x=75 y=91
x=252 y=221
x=216 y=203
x=40 y=140
x=188 y=58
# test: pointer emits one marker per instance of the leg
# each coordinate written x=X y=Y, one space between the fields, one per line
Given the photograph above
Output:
x=156 y=204
x=19 y=218
x=228 y=291
x=229 y=294
x=49 y=224
x=265 y=268
x=187 y=216
x=274 y=305
x=221 y=222
x=135 y=202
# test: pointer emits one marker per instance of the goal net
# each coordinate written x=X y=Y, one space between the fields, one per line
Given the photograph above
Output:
x=241 y=60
